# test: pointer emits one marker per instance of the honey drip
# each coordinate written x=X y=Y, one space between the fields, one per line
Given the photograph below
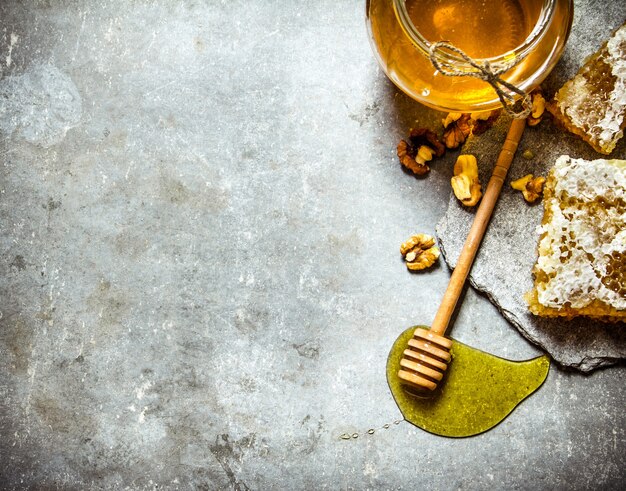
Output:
x=478 y=391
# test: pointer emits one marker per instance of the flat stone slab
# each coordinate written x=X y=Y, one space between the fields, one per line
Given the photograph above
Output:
x=502 y=269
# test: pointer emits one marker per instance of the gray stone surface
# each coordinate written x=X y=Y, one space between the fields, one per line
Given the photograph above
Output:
x=199 y=269
x=40 y=105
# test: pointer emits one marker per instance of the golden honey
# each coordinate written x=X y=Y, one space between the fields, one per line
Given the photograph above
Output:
x=478 y=391
x=531 y=32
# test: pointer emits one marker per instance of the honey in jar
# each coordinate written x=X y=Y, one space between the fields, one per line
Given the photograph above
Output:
x=531 y=33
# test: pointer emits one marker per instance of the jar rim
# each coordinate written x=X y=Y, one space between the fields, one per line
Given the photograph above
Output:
x=519 y=53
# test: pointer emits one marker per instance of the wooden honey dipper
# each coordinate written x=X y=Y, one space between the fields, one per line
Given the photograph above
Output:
x=425 y=360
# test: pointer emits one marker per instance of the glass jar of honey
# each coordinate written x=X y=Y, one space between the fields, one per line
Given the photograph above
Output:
x=529 y=33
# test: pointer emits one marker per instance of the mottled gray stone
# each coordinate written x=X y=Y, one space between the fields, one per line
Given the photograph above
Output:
x=39 y=105
x=200 y=282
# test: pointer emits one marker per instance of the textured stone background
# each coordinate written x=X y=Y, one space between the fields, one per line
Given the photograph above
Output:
x=199 y=273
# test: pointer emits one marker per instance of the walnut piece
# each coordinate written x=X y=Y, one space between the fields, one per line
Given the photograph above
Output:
x=419 y=252
x=459 y=126
x=530 y=186
x=465 y=183
x=419 y=150
x=481 y=122
x=410 y=160
x=450 y=118
x=538 y=107
x=457 y=130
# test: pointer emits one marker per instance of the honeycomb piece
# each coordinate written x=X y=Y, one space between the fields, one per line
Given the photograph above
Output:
x=592 y=105
x=581 y=268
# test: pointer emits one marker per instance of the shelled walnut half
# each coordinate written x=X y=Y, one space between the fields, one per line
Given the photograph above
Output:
x=420 y=148
x=419 y=252
x=465 y=183
x=459 y=126
x=481 y=122
x=530 y=186
x=457 y=129
x=538 y=107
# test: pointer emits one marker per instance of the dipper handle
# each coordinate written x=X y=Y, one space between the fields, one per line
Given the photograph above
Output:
x=476 y=233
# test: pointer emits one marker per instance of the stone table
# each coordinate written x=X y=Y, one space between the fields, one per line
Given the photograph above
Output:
x=200 y=280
